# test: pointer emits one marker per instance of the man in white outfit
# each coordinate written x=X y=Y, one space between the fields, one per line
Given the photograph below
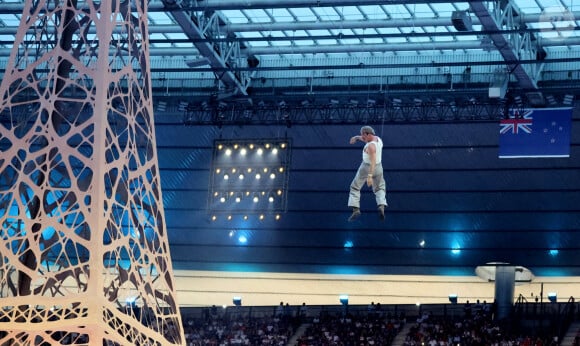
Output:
x=370 y=172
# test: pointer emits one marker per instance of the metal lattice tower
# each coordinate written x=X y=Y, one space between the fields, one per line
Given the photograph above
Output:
x=84 y=255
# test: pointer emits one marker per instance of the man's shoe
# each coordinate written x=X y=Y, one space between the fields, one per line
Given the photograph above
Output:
x=355 y=214
x=382 y=212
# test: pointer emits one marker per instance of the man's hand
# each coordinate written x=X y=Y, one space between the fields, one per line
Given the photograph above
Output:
x=353 y=139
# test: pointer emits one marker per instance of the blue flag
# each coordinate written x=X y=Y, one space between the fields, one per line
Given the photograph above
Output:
x=536 y=133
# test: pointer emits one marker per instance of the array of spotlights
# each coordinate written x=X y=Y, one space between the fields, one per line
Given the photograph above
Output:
x=246 y=217
x=249 y=176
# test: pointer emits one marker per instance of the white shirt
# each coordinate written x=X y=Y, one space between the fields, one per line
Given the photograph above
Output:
x=378 y=152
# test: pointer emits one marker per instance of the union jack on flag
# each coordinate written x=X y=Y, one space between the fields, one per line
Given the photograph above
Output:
x=516 y=123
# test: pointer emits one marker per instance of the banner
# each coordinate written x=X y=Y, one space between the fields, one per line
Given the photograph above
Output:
x=536 y=133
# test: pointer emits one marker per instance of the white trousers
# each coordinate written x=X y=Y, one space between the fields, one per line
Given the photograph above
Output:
x=360 y=180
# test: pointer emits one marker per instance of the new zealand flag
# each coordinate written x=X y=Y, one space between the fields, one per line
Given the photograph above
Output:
x=536 y=133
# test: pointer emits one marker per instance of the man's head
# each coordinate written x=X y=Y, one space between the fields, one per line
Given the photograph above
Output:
x=367 y=130
x=367 y=133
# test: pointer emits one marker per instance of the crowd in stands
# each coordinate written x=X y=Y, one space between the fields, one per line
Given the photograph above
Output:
x=476 y=328
x=217 y=330
x=296 y=326
x=372 y=328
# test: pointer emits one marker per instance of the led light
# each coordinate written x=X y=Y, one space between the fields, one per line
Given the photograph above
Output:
x=220 y=146
x=241 y=177
x=243 y=151
x=213 y=218
x=245 y=217
x=265 y=169
x=260 y=151
x=217 y=171
x=272 y=176
x=256 y=199
x=258 y=176
x=229 y=218
x=228 y=152
x=271 y=199
x=226 y=177
x=275 y=151
x=281 y=169
x=283 y=145
x=277 y=217
x=261 y=216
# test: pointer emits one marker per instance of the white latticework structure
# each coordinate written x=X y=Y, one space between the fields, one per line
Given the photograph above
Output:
x=84 y=256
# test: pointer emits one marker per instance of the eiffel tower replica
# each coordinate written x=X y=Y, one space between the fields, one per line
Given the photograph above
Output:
x=84 y=255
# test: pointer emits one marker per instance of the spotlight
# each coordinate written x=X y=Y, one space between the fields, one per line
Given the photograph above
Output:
x=453 y=298
x=182 y=106
x=237 y=301
x=552 y=297
x=161 y=106
x=256 y=199
x=343 y=298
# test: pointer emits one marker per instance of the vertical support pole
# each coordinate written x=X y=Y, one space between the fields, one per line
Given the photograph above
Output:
x=505 y=277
